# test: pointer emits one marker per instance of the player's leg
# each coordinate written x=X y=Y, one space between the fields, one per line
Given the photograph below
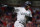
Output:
x=17 y=24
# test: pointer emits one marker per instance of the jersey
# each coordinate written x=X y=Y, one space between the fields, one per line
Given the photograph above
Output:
x=21 y=13
x=21 y=19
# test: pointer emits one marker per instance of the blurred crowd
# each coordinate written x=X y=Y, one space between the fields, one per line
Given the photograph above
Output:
x=8 y=16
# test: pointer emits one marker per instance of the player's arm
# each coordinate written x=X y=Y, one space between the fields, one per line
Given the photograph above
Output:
x=30 y=17
x=16 y=9
x=29 y=14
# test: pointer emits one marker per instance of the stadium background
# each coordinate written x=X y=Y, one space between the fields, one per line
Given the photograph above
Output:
x=6 y=12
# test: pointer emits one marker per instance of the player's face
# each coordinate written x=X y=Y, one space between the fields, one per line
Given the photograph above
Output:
x=28 y=7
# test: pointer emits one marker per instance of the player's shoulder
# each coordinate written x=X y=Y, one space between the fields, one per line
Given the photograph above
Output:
x=20 y=8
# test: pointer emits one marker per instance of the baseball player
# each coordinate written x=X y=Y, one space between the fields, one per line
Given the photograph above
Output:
x=22 y=13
